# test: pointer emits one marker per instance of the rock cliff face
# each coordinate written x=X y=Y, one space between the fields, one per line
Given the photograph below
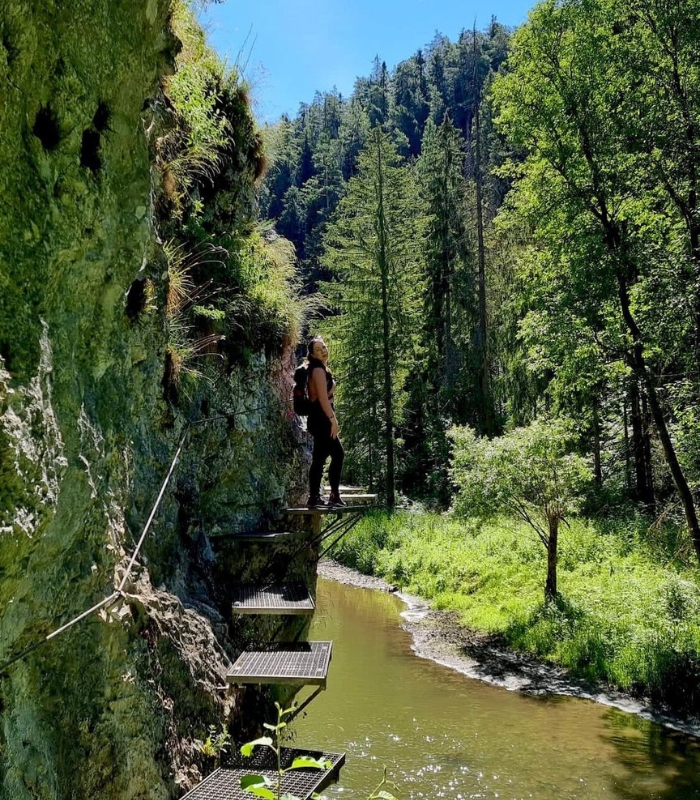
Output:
x=115 y=707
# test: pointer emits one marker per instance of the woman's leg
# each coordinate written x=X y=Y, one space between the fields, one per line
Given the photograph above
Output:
x=337 y=454
x=322 y=443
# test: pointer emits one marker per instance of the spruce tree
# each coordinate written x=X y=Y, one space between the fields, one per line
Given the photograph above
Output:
x=373 y=250
x=437 y=385
x=440 y=168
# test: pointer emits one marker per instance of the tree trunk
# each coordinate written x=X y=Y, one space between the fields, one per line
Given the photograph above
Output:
x=597 y=469
x=550 y=588
x=448 y=269
x=644 y=492
x=450 y=357
x=646 y=445
x=371 y=451
x=628 y=465
x=386 y=350
x=640 y=367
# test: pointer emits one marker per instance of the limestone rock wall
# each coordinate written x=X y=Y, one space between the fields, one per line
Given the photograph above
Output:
x=114 y=708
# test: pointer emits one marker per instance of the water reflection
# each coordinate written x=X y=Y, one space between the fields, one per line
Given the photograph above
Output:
x=443 y=735
x=649 y=750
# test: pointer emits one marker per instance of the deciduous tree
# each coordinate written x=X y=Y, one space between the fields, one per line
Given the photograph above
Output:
x=530 y=472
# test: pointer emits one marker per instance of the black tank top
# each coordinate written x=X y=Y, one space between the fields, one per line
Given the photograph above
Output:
x=315 y=363
x=318 y=418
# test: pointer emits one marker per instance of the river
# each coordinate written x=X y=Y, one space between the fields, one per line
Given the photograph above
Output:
x=443 y=735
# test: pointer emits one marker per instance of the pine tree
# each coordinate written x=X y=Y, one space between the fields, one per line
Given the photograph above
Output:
x=443 y=186
x=373 y=249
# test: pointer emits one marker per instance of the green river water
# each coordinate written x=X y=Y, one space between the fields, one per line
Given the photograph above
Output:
x=443 y=735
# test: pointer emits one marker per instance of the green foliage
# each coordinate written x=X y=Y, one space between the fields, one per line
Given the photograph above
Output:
x=269 y=277
x=380 y=792
x=371 y=252
x=206 y=128
x=232 y=288
x=216 y=743
x=606 y=194
x=449 y=300
x=592 y=297
x=192 y=149
x=627 y=614
x=316 y=153
x=438 y=387
x=185 y=347
x=529 y=472
x=426 y=107
x=261 y=785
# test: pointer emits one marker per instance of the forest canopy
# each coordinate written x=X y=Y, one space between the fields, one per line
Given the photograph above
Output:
x=550 y=196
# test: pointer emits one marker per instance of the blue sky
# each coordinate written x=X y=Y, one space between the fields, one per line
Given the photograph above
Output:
x=294 y=47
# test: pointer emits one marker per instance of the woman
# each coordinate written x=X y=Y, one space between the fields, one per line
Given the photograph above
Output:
x=323 y=426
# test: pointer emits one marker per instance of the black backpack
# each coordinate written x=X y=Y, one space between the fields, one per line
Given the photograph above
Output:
x=302 y=404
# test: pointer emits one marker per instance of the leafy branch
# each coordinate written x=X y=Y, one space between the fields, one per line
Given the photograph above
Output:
x=261 y=785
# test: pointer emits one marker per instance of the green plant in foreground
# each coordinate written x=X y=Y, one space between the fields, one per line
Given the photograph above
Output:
x=216 y=743
x=380 y=793
x=261 y=785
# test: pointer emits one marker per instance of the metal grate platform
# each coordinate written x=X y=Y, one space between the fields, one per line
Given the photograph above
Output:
x=305 y=663
x=225 y=783
x=292 y=598
x=323 y=511
x=269 y=536
x=359 y=497
x=263 y=759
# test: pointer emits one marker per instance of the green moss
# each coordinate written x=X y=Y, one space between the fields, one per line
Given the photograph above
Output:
x=82 y=408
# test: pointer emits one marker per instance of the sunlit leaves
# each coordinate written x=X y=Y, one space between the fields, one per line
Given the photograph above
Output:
x=247 y=749
x=308 y=762
x=531 y=472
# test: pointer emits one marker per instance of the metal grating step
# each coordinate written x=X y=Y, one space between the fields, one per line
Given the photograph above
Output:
x=269 y=536
x=292 y=598
x=358 y=497
x=304 y=662
x=225 y=783
x=324 y=511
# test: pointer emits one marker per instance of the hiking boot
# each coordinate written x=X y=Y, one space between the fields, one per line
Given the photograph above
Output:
x=318 y=501
x=336 y=501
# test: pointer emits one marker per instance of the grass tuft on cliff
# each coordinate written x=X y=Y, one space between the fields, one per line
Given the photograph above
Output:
x=628 y=614
x=231 y=290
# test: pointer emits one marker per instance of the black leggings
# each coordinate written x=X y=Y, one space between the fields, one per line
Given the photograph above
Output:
x=324 y=446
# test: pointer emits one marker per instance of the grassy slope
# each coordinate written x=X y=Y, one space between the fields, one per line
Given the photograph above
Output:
x=628 y=612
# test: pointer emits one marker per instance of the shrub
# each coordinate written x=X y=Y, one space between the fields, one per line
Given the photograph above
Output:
x=529 y=472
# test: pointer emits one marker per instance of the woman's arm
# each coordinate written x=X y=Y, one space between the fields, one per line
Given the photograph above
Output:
x=318 y=377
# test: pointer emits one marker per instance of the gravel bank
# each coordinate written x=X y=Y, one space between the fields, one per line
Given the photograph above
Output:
x=438 y=636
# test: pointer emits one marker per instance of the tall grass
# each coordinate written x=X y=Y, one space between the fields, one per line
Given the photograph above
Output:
x=626 y=616
x=192 y=149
